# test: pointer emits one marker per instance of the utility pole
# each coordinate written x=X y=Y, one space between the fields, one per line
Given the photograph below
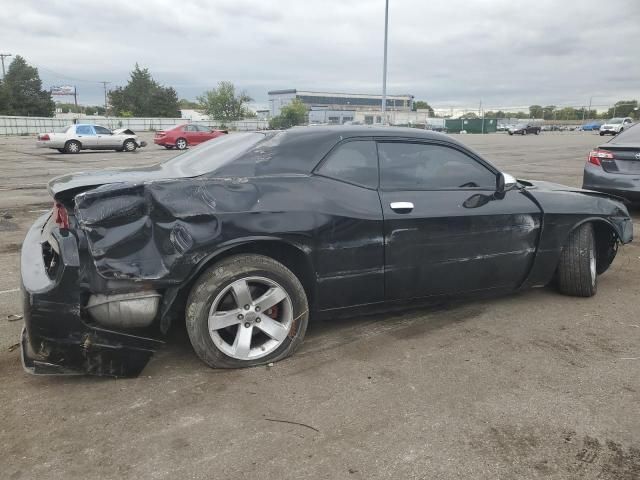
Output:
x=384 y=68
x=2 y=56
x=75 y=97
x=104 y=84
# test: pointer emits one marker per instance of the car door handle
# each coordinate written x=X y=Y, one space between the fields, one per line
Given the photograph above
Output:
x=401 y=207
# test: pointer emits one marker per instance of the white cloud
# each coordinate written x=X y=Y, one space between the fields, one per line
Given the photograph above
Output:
x=452 y=52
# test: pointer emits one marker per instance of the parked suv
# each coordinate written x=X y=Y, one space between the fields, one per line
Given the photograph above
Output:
x=615 y=126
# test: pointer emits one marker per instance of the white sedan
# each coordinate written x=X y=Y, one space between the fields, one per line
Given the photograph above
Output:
x=90 y=137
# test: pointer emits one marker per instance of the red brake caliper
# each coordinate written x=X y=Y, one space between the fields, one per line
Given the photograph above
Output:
x=273 y=312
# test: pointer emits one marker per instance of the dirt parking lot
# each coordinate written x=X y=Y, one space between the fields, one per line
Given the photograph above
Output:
x=535 y=385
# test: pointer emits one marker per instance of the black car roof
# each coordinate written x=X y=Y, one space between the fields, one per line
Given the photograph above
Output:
x=348 y=131
x=299 y=149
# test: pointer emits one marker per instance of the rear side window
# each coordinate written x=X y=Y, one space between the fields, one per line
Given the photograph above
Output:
x=630 y=135
x=418 y=166
x=353 y=162
x=84 y=130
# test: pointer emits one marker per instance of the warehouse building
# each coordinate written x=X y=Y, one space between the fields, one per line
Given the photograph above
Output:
x=338 y=108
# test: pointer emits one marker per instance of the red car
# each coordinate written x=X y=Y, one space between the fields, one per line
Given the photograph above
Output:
x=182 y=136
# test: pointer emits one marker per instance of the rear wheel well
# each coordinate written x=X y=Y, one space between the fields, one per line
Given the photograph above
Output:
x=288 y=255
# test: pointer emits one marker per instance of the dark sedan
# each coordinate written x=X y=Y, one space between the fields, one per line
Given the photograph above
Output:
x=249 y=236
x=614 y=167
x=524 y=128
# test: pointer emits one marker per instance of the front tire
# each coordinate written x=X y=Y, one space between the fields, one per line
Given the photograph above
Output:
x=72 y=146
x=577 y=271
x=246 y=310
x=129 y=145
x=181 y=143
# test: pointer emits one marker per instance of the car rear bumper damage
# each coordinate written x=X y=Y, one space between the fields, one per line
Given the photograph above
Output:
x=56 y=338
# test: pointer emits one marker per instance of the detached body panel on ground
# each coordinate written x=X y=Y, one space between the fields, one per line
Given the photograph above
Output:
x=350 y=217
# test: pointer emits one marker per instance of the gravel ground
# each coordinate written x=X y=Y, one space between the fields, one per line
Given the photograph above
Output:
x=534 y=385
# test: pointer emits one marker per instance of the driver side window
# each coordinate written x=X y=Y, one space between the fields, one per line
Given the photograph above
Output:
x=419 y=166
x=102 y=131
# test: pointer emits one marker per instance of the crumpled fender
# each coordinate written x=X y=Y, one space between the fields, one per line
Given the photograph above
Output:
x=148 y=231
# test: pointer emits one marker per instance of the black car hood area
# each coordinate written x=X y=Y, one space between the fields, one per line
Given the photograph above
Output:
x=539 y=185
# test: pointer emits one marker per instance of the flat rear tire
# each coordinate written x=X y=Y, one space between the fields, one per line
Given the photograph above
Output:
x=246 y=310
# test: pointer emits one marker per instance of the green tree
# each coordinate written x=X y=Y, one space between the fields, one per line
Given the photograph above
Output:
x=183 y=103
x=4 y=98
x=422 y=105
x=469 y=115
x=492 y=114
x=144 y=97
x=294 y=113
x=22 y=92
x=224 y=104
x=535 y=111
x=547 y=112
x=624 y=108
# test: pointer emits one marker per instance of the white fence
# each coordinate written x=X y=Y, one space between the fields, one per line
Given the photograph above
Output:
x=33 y=125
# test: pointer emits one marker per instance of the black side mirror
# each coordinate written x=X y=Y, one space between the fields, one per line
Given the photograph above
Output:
x=477 y=200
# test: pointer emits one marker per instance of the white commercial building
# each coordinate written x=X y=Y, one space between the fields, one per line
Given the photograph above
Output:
x=338 y=108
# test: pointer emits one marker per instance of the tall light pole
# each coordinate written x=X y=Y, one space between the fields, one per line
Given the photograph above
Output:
x=3 y=55
x=384 y=68
x=106 y=103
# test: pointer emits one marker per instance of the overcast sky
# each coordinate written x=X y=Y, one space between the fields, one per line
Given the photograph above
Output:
x=447 y=52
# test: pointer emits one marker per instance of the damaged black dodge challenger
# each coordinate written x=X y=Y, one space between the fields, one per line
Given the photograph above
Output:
x=248 y=236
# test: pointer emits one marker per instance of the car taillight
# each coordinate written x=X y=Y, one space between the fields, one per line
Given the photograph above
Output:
x=596 y=155
x=60 y=215
x=44 y=137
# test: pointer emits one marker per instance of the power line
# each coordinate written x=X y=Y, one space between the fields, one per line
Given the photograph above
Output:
x=66 y=77
x=2 y=56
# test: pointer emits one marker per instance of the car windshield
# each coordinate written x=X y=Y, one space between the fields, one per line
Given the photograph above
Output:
x=630 y=135
x=69 y=129
x=213 y=155
x=521 y=125
x=616 y=120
